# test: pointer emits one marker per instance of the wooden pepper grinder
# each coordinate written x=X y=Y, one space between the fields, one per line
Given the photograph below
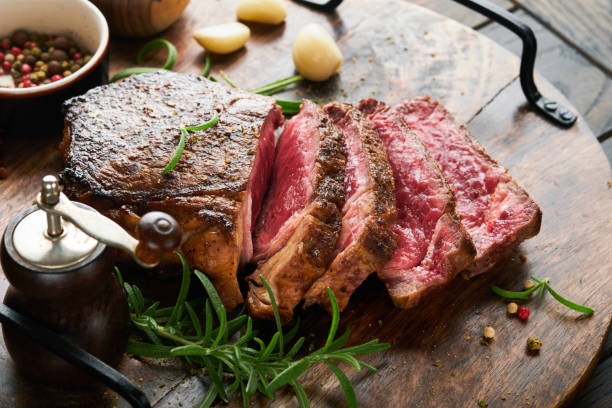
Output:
x=55 y=257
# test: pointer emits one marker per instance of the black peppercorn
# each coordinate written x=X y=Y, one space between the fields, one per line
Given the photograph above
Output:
x=19 y=37
x=54 y=67
x=61 y=43
x=59 y=55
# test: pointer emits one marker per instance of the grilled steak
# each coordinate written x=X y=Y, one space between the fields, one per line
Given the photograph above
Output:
x=497 y=213
x=432 y=246
x=119 y=137
x=366 y=242
x=299 y=224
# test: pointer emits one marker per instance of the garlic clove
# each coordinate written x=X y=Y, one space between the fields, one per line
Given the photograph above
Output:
x=315 y=54
x=262 y=11
x=223 y=38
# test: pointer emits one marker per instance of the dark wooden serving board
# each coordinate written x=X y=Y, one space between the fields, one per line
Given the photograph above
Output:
x=395 y=51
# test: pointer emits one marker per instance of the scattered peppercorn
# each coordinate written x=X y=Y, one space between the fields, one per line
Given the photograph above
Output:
x=522 y=313
x=512 y=308
x=534 y=344
x=489 y=332
x=482 y=403
x=528 y=284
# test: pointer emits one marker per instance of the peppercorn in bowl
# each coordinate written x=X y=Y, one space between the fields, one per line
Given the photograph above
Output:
x=50 y=50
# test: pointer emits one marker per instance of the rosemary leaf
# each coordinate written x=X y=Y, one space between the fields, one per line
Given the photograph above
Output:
x=515 y=295
x=300 y=394
x=335 y=319
x=277 y=319
x=227 y=79
x=210 y=397
x=277 y=86
x=580 y=308
x=182 y=296
x=349 y=392
x=177 y=153
x=133 y=71
x=289 y=374
x=206 y=70
x=156 y=44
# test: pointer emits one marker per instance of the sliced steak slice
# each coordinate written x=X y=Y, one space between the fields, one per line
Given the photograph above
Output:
x=119 y=137
x=299 y=224
x=497 y=213
x=432 y=246
x=366 y=241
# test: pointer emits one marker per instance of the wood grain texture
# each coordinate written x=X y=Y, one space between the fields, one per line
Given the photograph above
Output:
x=586 y=86
x=460 y=13
x=140 y=18
x=436 y=358
x=585 y=24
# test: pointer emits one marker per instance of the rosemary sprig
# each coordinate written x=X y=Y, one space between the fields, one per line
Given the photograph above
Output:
x=277 y=86
x=147 y=48
x=227 y=79
x=181 y=145
x=156 y=44
x=230 y=352
x=207 y=65
x=542 y=285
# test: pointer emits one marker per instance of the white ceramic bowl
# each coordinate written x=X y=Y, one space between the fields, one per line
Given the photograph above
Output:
x=79 y=19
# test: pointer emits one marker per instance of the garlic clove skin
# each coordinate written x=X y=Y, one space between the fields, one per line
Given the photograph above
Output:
x=223 y=38
x=262 y=11
x=315 y=54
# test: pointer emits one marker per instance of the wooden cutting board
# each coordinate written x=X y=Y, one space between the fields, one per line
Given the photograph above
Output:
x=395 y=51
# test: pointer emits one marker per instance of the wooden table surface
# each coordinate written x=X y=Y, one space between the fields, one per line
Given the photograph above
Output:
x=575 y=55
x=570 y=57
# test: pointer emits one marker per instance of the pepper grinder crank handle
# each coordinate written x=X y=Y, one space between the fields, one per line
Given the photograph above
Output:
x=158 y=231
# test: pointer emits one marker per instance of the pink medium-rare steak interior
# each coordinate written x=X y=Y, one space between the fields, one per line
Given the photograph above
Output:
x=291 y=183
x=496 y=212
x=259 y=179
x=432 y=247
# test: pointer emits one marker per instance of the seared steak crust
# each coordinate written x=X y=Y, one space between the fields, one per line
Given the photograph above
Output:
x=366 y=242
x=309 y=249
x=119 y=137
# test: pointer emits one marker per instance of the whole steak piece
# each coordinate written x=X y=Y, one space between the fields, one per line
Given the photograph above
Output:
x=366 y=241
x=118 y=138
x=299 y=224
x=496 y=212
x=432 y=246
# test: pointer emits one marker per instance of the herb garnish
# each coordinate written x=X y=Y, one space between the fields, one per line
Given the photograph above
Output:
x=181 y=145
x=207 y=65
x=227 y=79
x=277 y=86
x=542 y=285
x=147 y=48
x=233 y=347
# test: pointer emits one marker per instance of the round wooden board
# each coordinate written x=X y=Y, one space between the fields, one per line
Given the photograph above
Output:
x=395 y=51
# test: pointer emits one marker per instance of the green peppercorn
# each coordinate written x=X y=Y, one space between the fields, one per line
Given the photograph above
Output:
x=15 y=73
x=9 y=57
x=26 y=51
x=534 y=344
x=80 y=62
x=20 y=57
x=64 y=65
x=36 y=52
x=72 y=51
x=33 y=77
x=44 y=68
x=87 y=58
x=39 y=63
x=66 y=73
x=74 y=68
x=17 y=65
x=42 y=75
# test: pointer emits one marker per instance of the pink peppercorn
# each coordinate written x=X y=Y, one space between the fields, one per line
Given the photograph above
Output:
x=6 y=66
x=77 y=56
x=5 y=44
x=1 y=56
x=28 y=44
x=15 y=51
x=28 y=84
x=522 y=313
x=56 y=77
x=25 y=68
